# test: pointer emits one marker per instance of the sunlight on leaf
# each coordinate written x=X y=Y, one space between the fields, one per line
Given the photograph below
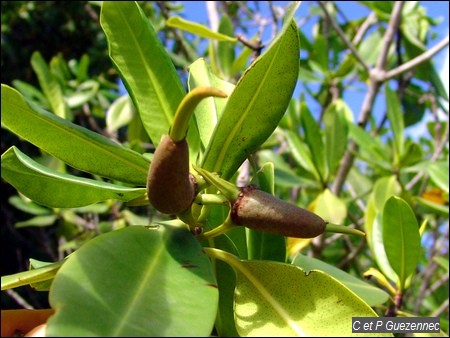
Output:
x=278 y=299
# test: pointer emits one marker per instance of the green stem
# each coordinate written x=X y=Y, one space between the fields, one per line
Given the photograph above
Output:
x=229 y=190
x=221 y=229
x=187 y=217
x=214 y=199
x=330 y=227
x=186 y=108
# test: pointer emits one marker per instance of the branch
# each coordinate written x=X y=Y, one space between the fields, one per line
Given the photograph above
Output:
x=417 y=60
x=342 y=35
x=19 y=299
x=441 y=309
x=363 y=28
x=376 y=80
x=394 y=22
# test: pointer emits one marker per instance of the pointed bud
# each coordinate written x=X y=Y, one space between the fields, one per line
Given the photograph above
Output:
x=261 y=211
x=170 y=187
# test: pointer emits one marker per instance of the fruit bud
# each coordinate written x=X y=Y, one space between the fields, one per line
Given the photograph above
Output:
x=262 y=211
x=170 y=187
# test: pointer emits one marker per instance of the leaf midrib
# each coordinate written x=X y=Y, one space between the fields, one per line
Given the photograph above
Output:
x=65 y=129
x=139 y=291
x=159 y=95
x=238 y=125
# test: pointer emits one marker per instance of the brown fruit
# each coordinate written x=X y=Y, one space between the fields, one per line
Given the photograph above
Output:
x=170 y=187
x=261 y=211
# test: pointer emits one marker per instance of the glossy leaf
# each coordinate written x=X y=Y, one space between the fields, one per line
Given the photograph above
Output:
x=45 y=284
x=143 y=64
x=197 y=29
x=285 y=176
x=401 y=238
x=395 y=116
x=371 y=149
x=37 y=275
x=412 y=154
x=370 y=294
x=85 y=93
x=370 y=47
x=439 y=172
x=434 y=207
x=383 y=189
x=336 y=132
x=28 y=206
x=50 y=86
x=226 y=281
x=31 y=93
x=278 y=299
x=58 y=190
x=301 y=153
x=313 y=138
x=256 y=106
x=37 y=221
x=225 y=49
x=77 y=146
x=208 y=111
x=119 y=114
x=330 y=207
x=136 y=281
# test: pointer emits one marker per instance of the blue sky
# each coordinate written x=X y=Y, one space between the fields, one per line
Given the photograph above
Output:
x=196 y=11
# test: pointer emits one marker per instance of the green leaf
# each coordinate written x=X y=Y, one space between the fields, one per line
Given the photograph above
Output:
x=443 y=262
x=319 y=53
x=45 y=284
x=209 y=110
x=438 y=172
x=278 y=299
x=49 y=85
x=136 y=281
x=256 y=106
x=119 y=114
x=336 y=132
x=38 y=221
x=77 y=146
x=85 y=93
x=371 y=149
x=28 y=206
x=58 y=190
x=41 y=274
x=370 y=47
x=330 y=207
x=313 y=139
x=143 y=64
x=383 y=189
x=226 y=281
x=225 y=49
x=198 y=29
x=395 y=116
x=82 y=68
x=413 y=153
x=240 y=62
x=401 y=238
x=434 y=207
x=285 y=176
x=301 y=153
x=31 y=93
x=372 y=295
